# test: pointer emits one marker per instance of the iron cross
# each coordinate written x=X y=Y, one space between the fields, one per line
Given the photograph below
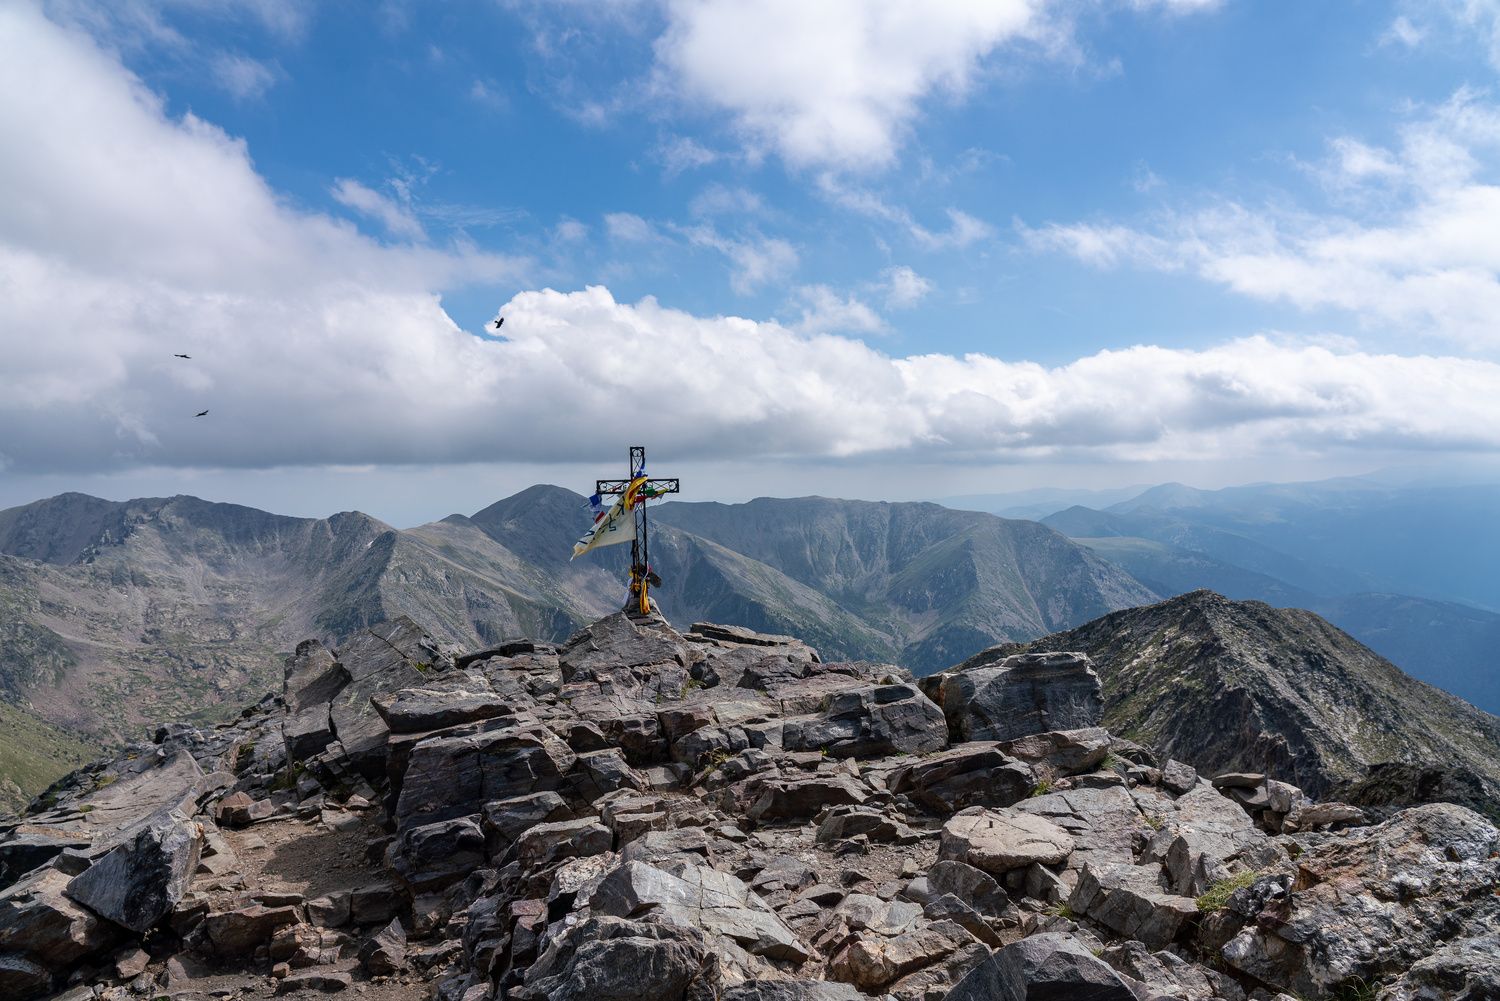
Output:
x=642 y=578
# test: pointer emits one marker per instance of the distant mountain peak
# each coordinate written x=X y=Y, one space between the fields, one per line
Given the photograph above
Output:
x=1243 y=686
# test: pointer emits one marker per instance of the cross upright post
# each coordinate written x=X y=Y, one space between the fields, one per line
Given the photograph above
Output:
x=637 y=489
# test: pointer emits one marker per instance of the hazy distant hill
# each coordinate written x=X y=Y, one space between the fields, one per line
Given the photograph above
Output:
x=116 y=613
x=1434 y=541
x=1242 y=686
x=1374 y=560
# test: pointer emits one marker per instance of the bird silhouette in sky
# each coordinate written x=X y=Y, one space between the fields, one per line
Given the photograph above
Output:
x=201 y=413
x=183 y=356
x=500 y=323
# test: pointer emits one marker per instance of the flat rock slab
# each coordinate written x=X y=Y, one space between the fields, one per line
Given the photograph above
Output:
x=421 y=710
x=977 y=773
x=1022 y=694
x=999 y=843
x=699 y=897
x=1051 y=966
x=39 y=923
x=1104 y=822
x=871 y=721
x=446 y=776
x=1130 y=900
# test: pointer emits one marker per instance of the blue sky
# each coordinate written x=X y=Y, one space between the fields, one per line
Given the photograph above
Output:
x=991 y=244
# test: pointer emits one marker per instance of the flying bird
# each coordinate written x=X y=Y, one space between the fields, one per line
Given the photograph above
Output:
x=500 y=323
x=189 y=357
x=201 y=413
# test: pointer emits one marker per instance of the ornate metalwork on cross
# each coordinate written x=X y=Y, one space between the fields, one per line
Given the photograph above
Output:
x=626 y=521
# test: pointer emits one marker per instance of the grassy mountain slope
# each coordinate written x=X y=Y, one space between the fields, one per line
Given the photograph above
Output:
x=33 y=755
x=941 y=583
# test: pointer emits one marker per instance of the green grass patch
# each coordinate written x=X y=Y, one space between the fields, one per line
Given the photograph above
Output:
x=33 y=755
x=1218 y=894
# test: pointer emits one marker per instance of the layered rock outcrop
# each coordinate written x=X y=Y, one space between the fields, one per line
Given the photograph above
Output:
x=716 y=814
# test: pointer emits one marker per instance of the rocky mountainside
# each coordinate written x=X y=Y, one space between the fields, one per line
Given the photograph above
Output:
x=1242 y=686
x=718 y=814
x=113 y=615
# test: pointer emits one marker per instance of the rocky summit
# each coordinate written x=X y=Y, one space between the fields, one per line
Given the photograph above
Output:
x=643 y=812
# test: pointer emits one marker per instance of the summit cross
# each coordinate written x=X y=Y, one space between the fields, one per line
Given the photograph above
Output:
x=637 y=489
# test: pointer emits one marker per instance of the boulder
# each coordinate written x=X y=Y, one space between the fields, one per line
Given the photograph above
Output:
x=871 y=962
x=973 y=886
x=1178 y=777
x=507 y=819
x=1060 y=753
x=308 y=732
x=140 y=880
x=311 y=676
x=237 y=933
x=28 y=846
x=1131 y=900
x=970 y=774
x=1369 y=902
x=791 y=799
x=449 y=776
x=21 y=979
x=628 y=655
x=611 y=959
x=1310 y=816
x=374 y=903
x=598 y=773
x=1047 y=967
x=869 y=722
x=1105 y=822
x=381 y=659
x=432 y=856
x=843 y=823
x=1466 y=969
x=699 y=897
x=864 y=912
x=546 y=844
x=385 y=951
x=40 y=924
x=420 y=710
x=992 y=698
x=1168 y=975
x=999 y=843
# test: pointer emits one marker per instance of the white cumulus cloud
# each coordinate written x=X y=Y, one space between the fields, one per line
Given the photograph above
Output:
x=1428 y=262
x=315 y=345
x=835 y=82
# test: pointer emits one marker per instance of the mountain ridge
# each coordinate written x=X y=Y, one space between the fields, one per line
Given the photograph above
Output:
x=1242 y=686
x=117 y=613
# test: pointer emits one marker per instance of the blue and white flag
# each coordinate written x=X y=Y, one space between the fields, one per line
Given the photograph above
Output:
x=615 y=527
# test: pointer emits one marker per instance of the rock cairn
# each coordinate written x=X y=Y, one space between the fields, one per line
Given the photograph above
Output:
x=716 y=814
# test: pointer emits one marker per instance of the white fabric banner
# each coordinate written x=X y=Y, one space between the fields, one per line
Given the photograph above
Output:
x=617 y=525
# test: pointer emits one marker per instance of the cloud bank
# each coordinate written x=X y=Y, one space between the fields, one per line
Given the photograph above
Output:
x=128 y=235
x=1410 y=241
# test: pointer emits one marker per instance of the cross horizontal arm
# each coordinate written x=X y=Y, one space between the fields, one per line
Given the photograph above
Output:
x=620 y=486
